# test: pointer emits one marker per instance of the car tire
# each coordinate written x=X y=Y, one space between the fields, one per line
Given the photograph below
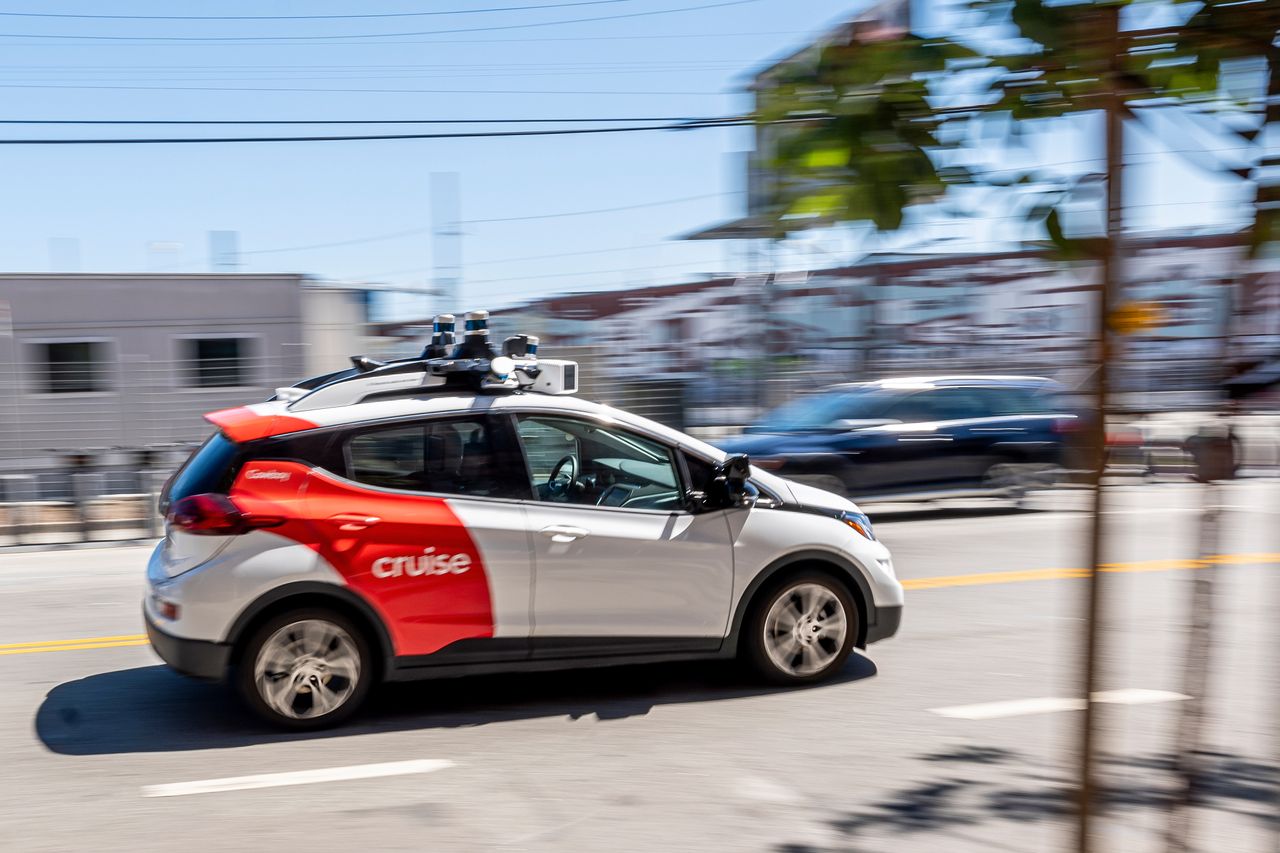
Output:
x=306 y=669
x=1015 y=481
x=791 y=633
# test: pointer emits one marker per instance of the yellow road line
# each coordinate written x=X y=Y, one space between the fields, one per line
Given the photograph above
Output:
x=993 y=577
x=975 y=579
x=74 y=647
x=1110 y=568
x=121 y=637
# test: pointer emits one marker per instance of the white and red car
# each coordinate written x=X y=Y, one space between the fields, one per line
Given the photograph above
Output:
x=344 y=535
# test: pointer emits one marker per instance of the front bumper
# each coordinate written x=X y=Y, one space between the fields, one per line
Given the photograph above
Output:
x=886 y=624
x=196 y=658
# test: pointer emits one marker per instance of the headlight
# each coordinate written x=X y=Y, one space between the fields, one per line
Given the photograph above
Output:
x=859 y=522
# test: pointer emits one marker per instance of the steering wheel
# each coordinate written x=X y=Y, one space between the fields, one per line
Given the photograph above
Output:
x=558 y=484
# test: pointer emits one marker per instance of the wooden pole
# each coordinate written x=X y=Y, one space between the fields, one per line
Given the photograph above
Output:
x=1107 y=286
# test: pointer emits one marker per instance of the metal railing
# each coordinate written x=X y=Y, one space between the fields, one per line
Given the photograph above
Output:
x=83 y=468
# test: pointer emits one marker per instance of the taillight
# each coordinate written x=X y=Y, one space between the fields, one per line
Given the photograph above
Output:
x=216 y=515
x=769 y=464
x=1124 y=439
x=1066 y=426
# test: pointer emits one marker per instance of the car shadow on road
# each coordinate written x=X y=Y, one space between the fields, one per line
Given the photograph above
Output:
x=940 y=512
x=152 y=709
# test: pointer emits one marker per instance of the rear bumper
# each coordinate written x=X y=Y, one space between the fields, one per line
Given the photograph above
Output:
x=196 y=658
x=886 y=623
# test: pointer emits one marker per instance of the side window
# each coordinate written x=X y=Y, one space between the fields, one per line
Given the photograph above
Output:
x=953 y=404
x=701 y=473
x=545 y=444
x=316 y=449
x=453 y=456
x=913 y=409
x=939 y=404
x=579 y=462
x=1012 y=401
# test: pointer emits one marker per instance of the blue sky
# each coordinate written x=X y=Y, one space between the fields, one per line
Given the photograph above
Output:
x=119 y=200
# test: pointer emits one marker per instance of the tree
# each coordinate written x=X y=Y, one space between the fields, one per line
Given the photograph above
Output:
x=880 y=134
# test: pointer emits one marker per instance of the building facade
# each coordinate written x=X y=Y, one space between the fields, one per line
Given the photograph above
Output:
x=106 y=363
x=1021 y=312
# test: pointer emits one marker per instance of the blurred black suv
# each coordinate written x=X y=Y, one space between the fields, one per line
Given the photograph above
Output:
x=952 y=436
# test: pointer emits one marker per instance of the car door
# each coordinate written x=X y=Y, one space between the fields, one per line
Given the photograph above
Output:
x=427 y=524
x=1018 y=426
x=928 y=449
x=621 y=566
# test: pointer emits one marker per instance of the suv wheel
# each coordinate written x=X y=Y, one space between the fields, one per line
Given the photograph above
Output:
x=803 y=630
x=306 y=669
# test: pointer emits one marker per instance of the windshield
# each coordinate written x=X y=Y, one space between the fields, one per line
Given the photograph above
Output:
x=823 y=409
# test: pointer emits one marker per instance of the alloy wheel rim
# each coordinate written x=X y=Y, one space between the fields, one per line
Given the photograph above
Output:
x=805 y=629
x=307 y=669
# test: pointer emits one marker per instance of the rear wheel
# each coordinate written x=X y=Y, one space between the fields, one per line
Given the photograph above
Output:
x=306 y=669
x=802 y=630
x=1015 y=481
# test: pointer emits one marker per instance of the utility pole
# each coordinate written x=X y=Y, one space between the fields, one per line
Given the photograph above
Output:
x=446 y=243
x=1105 y=296
x=224 y=251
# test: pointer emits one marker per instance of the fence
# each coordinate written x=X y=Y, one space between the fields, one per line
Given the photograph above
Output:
x=88 y=465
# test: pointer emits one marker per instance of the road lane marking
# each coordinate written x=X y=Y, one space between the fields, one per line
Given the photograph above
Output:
x=983 y=578
x=297 y=777
x=940 y=582
x=1052 y=704
x=122 y=637
x=67 y=645
x=73 y=645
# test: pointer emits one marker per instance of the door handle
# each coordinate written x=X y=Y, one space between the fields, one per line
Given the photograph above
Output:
x=353 y=521
x=563 y=533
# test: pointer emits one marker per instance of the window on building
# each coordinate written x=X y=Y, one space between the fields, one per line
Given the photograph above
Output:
x=218 y=362
x=71 y=367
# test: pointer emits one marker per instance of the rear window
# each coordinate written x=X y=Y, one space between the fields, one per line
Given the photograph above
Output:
x=208 y=470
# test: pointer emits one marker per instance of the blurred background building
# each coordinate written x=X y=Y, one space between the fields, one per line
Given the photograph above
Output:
x=113 y=364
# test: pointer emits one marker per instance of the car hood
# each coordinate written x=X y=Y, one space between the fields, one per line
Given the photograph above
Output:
x=791 y=492
x=811 y=496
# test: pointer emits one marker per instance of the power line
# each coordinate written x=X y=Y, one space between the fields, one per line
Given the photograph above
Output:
x=598 y=210
x=133 y=122
x=366 y=137
x=412 y=232
x=376 y=238
x=305 y=17
x=458 y=73
x=329 y=38
x=448 y=42
x=353 y=91
x=506 y=67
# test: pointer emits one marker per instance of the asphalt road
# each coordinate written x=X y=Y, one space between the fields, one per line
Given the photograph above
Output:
x=691 y=757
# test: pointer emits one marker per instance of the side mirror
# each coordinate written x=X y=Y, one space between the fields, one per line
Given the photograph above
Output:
x=735 y=470
x=728 y=486
x=731 y=480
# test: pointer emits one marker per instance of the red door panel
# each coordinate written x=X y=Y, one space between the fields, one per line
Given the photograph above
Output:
x=408 y=555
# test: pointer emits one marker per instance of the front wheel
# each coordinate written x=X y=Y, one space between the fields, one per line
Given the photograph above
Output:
x=306 y=669
x=803 y=630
